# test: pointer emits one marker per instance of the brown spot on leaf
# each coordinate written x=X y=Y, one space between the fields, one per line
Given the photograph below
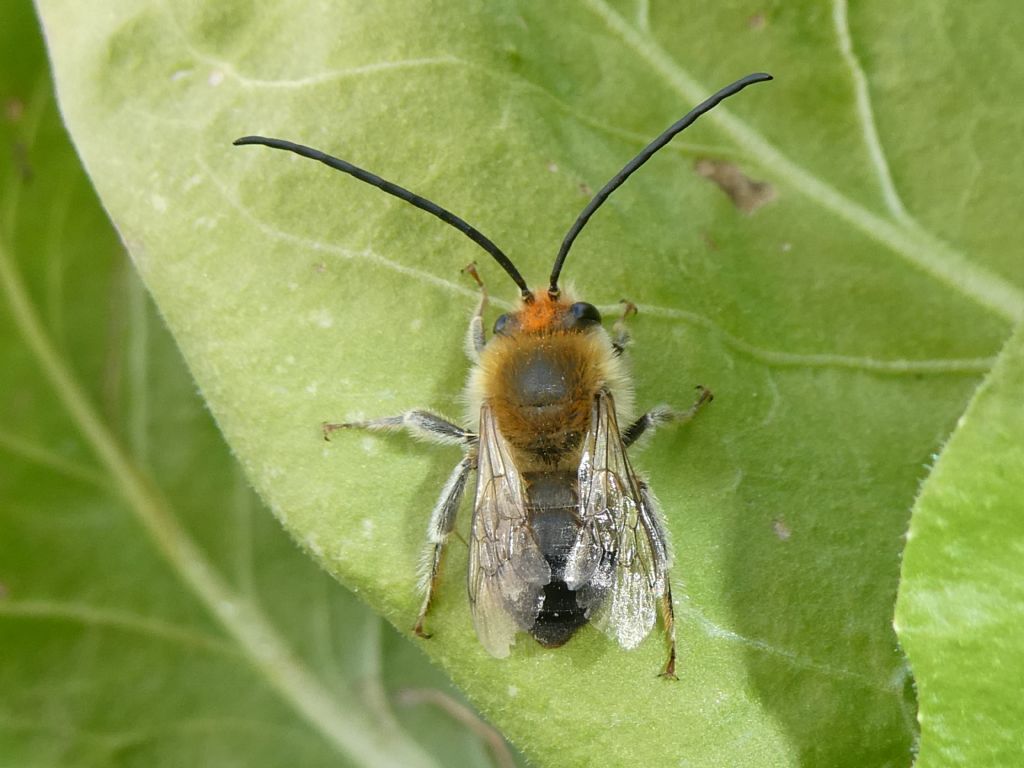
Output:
x=757 y=21
x=748 y=195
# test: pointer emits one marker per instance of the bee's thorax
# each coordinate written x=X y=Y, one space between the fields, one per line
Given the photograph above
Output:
x=540 y=373
x=541 y=389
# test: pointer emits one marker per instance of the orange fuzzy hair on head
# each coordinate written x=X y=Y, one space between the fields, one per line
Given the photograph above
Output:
x=541 y=313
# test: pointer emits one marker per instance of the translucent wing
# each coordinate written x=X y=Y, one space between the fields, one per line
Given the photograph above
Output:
x=507 y=571
x=619 y=562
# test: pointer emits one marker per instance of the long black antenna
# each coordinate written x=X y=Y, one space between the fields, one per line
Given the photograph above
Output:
x=402 y=194
x=639 y=160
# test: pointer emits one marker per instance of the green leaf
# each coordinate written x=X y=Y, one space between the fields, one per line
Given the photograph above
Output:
x=842 y=325
x=151 y=611
x=961 y=600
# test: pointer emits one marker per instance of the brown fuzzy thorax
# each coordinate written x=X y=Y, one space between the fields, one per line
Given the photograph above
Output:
x=540 y=387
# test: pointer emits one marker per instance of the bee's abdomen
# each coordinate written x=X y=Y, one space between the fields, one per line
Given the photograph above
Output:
x=559 y=616
x=554 y=519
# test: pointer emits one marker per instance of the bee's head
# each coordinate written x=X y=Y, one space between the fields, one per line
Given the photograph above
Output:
x=546 y=313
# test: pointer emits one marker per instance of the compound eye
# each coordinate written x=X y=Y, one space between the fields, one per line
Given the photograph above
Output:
x=584 y=315
x=503 y=325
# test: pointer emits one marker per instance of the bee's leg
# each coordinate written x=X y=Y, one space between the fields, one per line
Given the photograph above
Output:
x=668 y=617
x=620 y=333
x=422 y=424
x=442 y=522
x=475 y=336
x=663 y=414
x=663 y=562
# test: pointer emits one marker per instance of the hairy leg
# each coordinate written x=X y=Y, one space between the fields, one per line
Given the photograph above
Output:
x=620 y=333
x=476 y=339
x=442 y=523
x=419 y=423
x=663 y=414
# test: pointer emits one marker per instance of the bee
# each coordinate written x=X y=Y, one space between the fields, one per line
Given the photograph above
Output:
x=564 y=532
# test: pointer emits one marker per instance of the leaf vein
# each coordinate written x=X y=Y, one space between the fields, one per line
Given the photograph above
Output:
x=125 y=621
x=44 y=457
x=796 y=660
x=782 y=359
x=866 y=115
